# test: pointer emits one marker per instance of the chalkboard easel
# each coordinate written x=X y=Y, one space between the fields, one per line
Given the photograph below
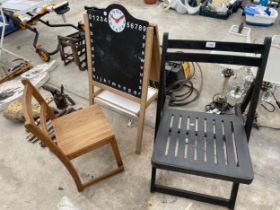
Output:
x=123 y=54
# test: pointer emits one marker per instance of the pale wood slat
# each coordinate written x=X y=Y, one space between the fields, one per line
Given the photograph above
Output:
x=79 y=132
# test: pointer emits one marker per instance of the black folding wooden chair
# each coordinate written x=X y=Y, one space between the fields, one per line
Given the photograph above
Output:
x=204 y=144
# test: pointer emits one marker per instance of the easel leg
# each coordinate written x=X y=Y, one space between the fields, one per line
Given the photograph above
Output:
x=145 y=86
x=140 y=129
x=89 y=61
x=91 y=94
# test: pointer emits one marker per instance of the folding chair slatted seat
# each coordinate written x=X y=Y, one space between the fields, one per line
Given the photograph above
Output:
x=205 y=144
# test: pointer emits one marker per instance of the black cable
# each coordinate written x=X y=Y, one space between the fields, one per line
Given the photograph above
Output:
x=266 y=107
x=185 y=94
x=269 y=127
x=180 y=99
x=201 y=77
x=277 y=102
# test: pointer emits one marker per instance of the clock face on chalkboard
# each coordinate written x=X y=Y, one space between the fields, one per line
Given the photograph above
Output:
x=116 y=20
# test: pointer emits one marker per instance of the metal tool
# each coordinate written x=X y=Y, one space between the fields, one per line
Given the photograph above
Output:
x=219 y=104
x=60 y=98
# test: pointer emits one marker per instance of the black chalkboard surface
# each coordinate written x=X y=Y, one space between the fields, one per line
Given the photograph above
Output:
x=117 y=48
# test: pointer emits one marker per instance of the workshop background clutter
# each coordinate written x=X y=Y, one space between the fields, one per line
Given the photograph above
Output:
x=148 y=104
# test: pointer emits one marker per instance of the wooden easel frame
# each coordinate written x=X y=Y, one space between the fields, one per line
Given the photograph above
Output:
x=151 y=72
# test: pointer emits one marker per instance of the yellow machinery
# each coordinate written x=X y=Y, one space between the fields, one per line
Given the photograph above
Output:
x=26 y=16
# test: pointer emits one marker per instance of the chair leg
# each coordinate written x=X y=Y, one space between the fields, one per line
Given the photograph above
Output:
x=116 y=151
x=81 y=186
x=120 y=168
x=72 y=170
x=153 y=179
x=77 y=179
x=230 y=203
x=102 y=177
x=233 y=195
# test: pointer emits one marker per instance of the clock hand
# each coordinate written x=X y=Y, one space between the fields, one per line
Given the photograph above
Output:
x=114 y=18
x=118 y=19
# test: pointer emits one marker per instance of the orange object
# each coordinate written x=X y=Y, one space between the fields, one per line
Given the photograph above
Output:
x=150 y=1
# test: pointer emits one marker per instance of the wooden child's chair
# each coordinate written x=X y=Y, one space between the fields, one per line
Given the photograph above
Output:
x=76 y=133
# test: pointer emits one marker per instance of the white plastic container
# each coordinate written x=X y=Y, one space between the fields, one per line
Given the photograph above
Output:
x=272 y=72
x=255 y=15
x=183 y=7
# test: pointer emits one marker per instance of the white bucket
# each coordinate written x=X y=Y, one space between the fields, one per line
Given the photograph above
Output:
x=183 y=8
x=261 y=19
x=191 y=10
x=272 y=72
x=178 y=6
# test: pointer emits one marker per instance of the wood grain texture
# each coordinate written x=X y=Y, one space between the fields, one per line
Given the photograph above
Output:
x=155 y=64
x=147 y=68
x=76 y=133
x=89 y=61
x=81 y=131
x=23 y=67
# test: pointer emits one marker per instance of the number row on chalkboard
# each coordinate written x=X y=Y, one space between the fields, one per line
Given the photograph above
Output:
x=109 y=82
x=130 y=25
x=136 y=26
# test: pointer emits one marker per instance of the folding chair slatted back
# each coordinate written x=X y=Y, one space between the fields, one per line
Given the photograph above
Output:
x=259 y=59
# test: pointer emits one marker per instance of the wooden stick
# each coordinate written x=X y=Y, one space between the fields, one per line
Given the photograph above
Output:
x=147 y=67
x=89 y=61
x=155 y=65
x=23 y=67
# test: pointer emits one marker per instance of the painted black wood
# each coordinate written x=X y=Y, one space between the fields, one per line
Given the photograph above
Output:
x=117 y=53
x=214 y=58
x=256 y=91
x=162 y=82
x=211 y=145
x=220 y=46
x=204 y=144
